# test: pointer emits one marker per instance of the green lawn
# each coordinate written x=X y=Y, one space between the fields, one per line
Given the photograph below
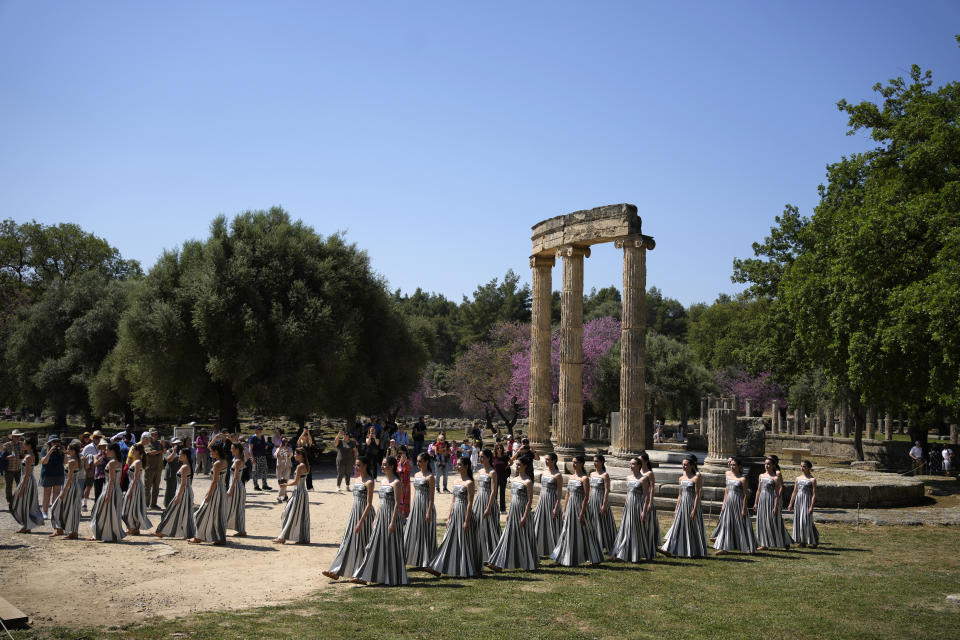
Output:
x=875 y=582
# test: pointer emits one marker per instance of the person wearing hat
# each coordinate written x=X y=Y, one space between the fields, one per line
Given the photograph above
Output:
x=100 y=467
x=87 y=454
x=13 y=454
x=51 y=473
x=152 y=467
x=258 y=452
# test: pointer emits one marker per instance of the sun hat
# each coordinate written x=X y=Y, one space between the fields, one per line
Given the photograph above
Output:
x=53 y=438
x=17 y=432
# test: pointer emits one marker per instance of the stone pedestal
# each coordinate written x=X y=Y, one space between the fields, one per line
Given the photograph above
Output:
x=775 y=417
x=888 y=426
x=702 y=427
x=570 y=423
x=721 y=437
x=540 y=401
x=631 y=435
x=871 y=422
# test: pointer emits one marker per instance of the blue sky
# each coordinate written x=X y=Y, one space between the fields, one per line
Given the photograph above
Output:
x=437 y=133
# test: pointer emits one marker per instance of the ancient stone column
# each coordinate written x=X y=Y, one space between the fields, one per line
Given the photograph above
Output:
x=801 y=419
x=539 y=429
x=632 y=434
x=844 y=422
x=775 y=417
x=888 y=427
x=702 y=427
x=570 y=419
x=871 y=421
x=721 y=437
x=954 y=435
x=746 y=408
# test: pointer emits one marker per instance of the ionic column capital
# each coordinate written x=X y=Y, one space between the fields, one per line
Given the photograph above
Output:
x=542 y=260
x=573 y=251
x=638 y=242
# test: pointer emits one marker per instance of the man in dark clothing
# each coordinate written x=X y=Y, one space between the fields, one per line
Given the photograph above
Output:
x=258 y=452
x=419 y=432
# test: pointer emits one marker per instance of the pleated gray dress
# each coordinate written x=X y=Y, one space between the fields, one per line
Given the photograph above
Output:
x=177 y=520
x=211 y=516
x=546 y=528
x=686 y=537
x=65 y=512
x=604 y=522
x=353 y=545
x=384 y=560
x=734 y=532
x=770 y=529
x=420 y=536
x=105 y=519
x=459 y=553
x=26 y=508
x=134 y=509
x=295 y=523
x=651 y=524
x=632 y=544
x=237 y=503
x=577 y=543
x=488 y=529
x=804 y=530
x=515 y=549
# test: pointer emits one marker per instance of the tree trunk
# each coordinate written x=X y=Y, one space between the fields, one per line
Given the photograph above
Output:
x=129 y=417
x=227 y=402
x=859 y=418
x=60 y=422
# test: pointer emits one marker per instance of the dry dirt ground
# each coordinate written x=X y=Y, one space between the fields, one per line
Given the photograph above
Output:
x=51 y=579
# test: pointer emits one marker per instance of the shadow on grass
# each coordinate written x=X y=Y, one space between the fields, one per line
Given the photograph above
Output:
x=432 y=582
x=731 y=558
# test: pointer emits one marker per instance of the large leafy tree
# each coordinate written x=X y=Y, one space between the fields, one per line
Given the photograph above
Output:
x=492 y=303
x=870 y=283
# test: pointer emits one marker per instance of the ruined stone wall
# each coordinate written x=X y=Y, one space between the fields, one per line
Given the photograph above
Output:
x=891 y=454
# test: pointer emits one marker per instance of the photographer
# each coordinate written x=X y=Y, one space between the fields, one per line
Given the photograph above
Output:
x=524 y=448
x=51 y=473
x=346 y=448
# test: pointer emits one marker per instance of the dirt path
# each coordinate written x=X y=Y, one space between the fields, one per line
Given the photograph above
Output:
x=143 y=576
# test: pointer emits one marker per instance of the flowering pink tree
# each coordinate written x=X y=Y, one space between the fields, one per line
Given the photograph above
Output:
x=599 y=335
x=481 y=375
x=760 y=389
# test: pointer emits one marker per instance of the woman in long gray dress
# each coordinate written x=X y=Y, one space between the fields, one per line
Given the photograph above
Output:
x=599 y=504
x=770 y=529
x=237 y=494
x=686 y=537
x=134 y=509
x=632 y=543
x=105 y=521
x=486 y=513
x=651 y=525
x=211 y=515
x=25 y=507
x=65 y=512
x=577 y=542
x=804 y=496
x=420 y=535
x=178 y=520
x=515 y=548
x=546 y=518
x=734 y=530
x=459 y=553
x=384 y=560
x=357 y=533
x=295 y=522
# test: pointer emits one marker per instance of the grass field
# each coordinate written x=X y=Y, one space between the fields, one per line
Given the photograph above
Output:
x=871 y=582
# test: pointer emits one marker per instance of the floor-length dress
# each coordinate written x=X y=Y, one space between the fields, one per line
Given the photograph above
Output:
x=459 y=553
x=488 y=529
x=770 y=529
x=632 y=544
x=577 y=542
x=26 y=504
x=105 y=519
x=211 y=515
x=804 y=530
x=546 y=527
x=734 y=532
x=604 y=522
x=178 y=520
x=237 y=503
x=515 y=549
x=134 y=509
x=420 y=536
x=651 y=524
x=65 y=511
x=384 y=561
x=352 y=546
x=295 y=522
x=686 y=537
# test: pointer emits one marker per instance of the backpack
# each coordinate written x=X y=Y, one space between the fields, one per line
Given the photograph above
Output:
x=245 y=474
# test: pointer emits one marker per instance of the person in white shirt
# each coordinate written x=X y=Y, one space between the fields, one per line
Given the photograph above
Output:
x=87 y=454
x=916 y=458
x=947 y=454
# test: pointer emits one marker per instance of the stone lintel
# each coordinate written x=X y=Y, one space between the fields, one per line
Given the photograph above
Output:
x=587 y=227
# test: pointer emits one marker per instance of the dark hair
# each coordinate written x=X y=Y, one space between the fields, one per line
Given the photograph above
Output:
x=117 y=452
x=642 y=457
x=579 y=458
x=468 y=466
x=403 y=449
x=423 y=457
x=692 y=459
x=808 y=463
x=391 y=463
x=303 y=454
x=603 y=461
x=552 y=457
x=186 y=451
x=737 y=460
x=237 y=446
x=527 y=460
x=139 y=449
x=487 y=454
x=775 y=459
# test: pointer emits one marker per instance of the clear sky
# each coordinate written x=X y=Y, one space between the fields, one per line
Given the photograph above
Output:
x=437 y=133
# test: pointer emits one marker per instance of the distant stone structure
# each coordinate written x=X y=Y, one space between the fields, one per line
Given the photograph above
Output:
x=570 y=237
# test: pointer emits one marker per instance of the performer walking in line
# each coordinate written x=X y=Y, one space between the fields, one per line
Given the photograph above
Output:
x=577 y=542
x=105 y=522
x=178 y=520
x=211 y=515
x=384 y=561
x=295 y=522
x=485 y=511
x=599 y=504
x=734 y=530
x=237 y=494
x=632 y=544
x=65 y=512
x=420 y=535
x=515 y=549
x=770 y=529
x=357 y=533
x=459 y=553
x=546 y=518
x=804 y=496
x=134 y=510
x=687 y=537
